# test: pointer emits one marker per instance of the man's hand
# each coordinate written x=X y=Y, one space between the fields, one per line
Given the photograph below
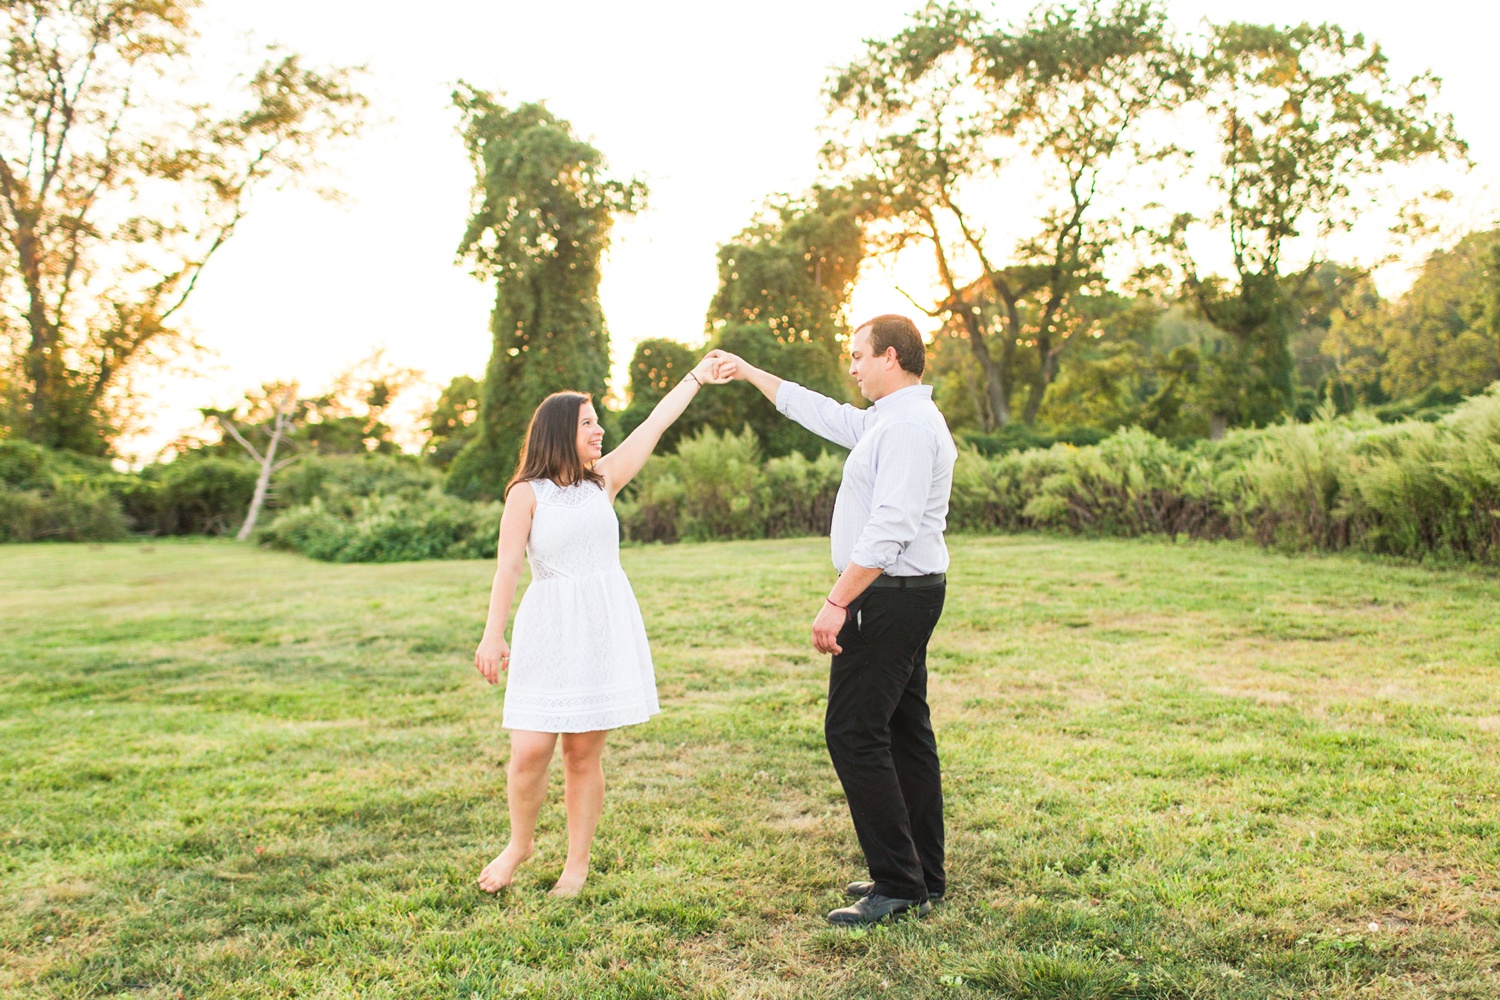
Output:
x=740 y=370
x=826 y=628
x=492 y=656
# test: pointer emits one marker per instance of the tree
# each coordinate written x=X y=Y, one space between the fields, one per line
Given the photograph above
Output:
x=1113 y=377
x=114 y=194
x=937 y=111
x=792 y=270
x=1307 y=119
x=276 y=410
x=541 y=220
x=1444 y=333
x=346 y=418
x=454 y=420
x=1354 y=347
x=657 y=365
x=1331 y=291
x=783 y=304
x=349 y=417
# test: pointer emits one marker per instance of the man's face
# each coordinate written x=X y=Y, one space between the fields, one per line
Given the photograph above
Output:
x=590 y=434
x=872 y=372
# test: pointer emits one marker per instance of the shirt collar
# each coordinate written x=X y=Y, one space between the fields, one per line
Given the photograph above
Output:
x=907 y=394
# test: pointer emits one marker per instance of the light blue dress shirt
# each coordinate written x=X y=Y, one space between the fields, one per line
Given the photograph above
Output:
x=892 y=505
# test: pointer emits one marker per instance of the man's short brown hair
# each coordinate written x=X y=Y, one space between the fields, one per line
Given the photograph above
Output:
x=901 y=333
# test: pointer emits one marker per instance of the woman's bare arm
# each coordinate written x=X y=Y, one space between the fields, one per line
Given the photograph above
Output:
x=620 y=466
x=493 y=654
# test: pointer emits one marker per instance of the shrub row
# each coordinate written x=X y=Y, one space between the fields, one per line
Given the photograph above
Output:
x=1413 y=489
x=57 y=496
x=195 y=495
x=1019 y=437
x=376 y=508
x=68 y=512
x=715 y=486
x=430 y=525
x=1419 y=489
x=47 y=495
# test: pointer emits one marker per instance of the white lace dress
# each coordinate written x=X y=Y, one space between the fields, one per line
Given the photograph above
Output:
x=579 y=660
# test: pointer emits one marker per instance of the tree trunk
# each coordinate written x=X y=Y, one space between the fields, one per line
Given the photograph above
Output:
x=268 y=464
x=1046 y=370
x=995 y=390
x=996 y=397
x=41 y=353
x=262 y=486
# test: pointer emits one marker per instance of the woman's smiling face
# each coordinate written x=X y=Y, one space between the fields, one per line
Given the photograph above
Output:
x=590 y=434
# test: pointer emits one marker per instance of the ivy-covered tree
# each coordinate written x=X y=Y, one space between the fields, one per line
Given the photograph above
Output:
x=542 y=214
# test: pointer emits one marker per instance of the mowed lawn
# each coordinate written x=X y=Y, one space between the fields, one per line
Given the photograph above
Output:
x=1172 y=771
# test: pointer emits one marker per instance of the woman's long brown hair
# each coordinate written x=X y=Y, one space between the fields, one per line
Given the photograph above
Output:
x=551 y=449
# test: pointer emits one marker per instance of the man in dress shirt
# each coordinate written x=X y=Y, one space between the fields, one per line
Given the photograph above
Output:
x=888 y=548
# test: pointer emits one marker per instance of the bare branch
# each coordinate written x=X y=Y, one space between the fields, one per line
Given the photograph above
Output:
x=934 y=313
x=234 y=433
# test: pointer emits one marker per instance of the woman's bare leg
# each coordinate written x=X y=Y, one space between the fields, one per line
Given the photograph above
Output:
x=583 y=792
x=525 y=788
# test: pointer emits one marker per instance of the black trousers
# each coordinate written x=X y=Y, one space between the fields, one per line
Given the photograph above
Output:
x=880 y=737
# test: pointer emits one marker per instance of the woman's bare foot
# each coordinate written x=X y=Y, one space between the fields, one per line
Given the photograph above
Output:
x=498 y=873
x=569 y=884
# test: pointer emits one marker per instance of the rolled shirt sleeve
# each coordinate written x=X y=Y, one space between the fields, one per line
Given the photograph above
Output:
x=905 y=456
x=831 y=420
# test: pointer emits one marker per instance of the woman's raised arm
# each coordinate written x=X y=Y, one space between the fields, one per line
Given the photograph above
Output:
x=620 y=466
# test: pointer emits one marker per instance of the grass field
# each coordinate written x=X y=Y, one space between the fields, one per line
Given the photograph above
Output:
x=1171 y=771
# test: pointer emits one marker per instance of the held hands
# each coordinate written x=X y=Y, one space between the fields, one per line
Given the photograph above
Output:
x=728 y=366
x=714 y=369
x=492 y=656
x=826 y=628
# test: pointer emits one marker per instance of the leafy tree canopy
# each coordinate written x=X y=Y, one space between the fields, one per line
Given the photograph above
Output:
x=114 y=195
x=783 y=305
x=1309 y=119
x=946 y=104
x=1442 y=336
x=454 y=420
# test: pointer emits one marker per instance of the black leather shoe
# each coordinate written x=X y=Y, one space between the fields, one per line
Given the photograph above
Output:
x=858 y=890
x=874 y=908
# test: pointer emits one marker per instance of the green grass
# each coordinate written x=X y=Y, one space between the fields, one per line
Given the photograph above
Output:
x=1172 y=771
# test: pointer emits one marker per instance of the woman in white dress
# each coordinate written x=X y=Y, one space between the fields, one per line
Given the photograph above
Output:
x=580 y=665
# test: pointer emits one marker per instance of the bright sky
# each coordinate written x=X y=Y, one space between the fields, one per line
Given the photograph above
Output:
x=716 y=106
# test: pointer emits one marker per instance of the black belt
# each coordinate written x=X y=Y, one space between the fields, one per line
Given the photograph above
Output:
x=909 y=582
